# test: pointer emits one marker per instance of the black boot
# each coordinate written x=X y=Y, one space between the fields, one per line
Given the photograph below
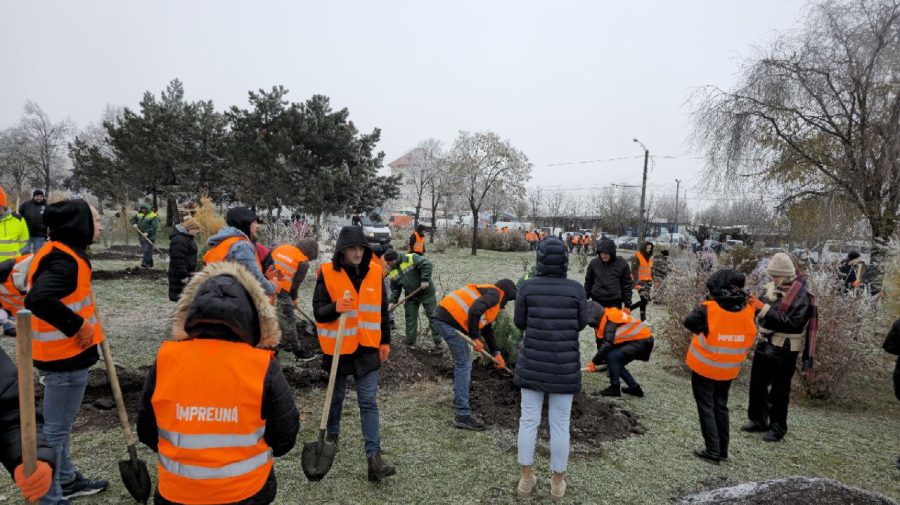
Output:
x=613 y=390
x=378 y=469
x=702 y=454
x=773 y=435
x=468 y=422
x=634 y=391
x=754 y=427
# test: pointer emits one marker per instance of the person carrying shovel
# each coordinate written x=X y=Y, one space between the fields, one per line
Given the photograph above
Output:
x=65 y=334
x=290 y=264
x=412 y=273
x=147 y=222
x=470 y=310
x=366 y=337
x=216 y=405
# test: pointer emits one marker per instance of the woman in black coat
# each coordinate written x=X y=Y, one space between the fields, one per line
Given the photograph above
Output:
x=182 y=256
x=552 y=310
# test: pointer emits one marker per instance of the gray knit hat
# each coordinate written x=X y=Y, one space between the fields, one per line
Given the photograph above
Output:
x=781 y=265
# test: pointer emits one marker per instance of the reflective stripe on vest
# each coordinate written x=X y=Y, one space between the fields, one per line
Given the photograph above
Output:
x=208 y=407
x=645 y=268
x=720 y=354
x=363 y=326
x=631 y=331
x=419 y=245
x=287 y=259
x=457 y=303
x=12 y=296
x=402 y=268
x=48 y=342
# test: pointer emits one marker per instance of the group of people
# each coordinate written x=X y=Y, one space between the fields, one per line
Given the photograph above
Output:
x=217 y=408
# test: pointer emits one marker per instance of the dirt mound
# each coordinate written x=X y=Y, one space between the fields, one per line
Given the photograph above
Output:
x=495 y=400
x=121 y=252
x=97 y=407
x=789 y=491
x=129 y=273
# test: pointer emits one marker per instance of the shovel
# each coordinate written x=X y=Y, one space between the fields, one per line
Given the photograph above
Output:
x=133 y=470
x=404 y=299
x=162 y=255
x=483 y=352
x=27 y=424
x=318 y=455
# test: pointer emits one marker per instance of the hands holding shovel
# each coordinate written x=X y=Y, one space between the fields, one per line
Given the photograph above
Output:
x=163 y=256
x=403 y=300
x=479 y=348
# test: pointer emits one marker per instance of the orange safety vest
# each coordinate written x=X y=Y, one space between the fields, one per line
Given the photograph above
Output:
x=221 y=250
x=419 y=245
x=720 y=354
x=363 y=327
x=645 y=267
x=47 y=342
x=629 y=329
x=287 y=259
x=208 y=407
x=458 y=302
x=531 y=237
x=381 y=263
x=12 y=292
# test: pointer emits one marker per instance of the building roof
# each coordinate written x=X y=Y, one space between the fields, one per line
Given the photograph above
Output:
x=404 y=160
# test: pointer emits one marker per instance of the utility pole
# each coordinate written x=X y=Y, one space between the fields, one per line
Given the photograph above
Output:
x=677 y=191
x=643 y=194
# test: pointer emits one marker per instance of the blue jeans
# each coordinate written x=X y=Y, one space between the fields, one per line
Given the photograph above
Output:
x=616 y=362
x=366 y=392
x=146 y=253
x=63 y=392
x=558 y=413
x=34 y=244
x=462 y=366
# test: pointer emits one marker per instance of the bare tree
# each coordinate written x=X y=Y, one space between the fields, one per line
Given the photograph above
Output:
x=14 y=171
x=535 y=198
x=554 y=204
x=42 y=143
x=423 y=164
x=483 y=163
x=817 y=114
x=439 y=187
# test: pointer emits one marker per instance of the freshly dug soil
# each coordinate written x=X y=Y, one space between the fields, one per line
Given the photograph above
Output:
x=789 y=491
x=129 y=273
x=495 y=400
x=121 y=252
x=98 y=409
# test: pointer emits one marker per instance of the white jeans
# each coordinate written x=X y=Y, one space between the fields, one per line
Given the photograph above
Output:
x=559 y=411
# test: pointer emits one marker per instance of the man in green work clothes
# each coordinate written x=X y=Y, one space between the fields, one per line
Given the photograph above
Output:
x=409 y=272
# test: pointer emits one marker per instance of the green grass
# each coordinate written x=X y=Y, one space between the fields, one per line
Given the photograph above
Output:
x=438 y=464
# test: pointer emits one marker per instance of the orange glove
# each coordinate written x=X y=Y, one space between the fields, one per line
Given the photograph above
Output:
x=756 y=303
x=477 y=345
x=344 y=305
x=274 y=274
x=856 y=284
x=591 y=367
x=37 y=484
x=627 y=310
x=384 y=350
x=85 y=335
x=499 y=362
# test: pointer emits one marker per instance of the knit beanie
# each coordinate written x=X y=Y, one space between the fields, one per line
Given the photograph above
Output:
x=36 y=193
x=190 y=223
x=781 y=265
x=390 y=255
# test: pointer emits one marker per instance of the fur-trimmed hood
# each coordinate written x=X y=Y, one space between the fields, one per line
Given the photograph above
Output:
x=269 y=330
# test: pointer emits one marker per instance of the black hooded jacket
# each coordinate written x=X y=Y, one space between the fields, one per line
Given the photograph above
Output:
x=10 y=434
x=552 y=310
x=33 y=213
x=71 y=223
x=182 y=260
x=608 y=283
x=364 y=359
x=726 y=288
x=220 y=307
x=241 y=218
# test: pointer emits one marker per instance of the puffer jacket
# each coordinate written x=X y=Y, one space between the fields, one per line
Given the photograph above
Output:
x=232 y=307
x=33 y=213
x=892 y=346
x=243 y=252
x=182 y=260
x=608 y=283
x=10 y=435
x=552 y=310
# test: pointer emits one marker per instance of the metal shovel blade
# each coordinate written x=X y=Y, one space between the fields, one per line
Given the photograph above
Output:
x=135 y=476
x=317 y=458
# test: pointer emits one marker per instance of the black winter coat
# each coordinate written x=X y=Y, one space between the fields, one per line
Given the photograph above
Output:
x=34 y=218
x=791 y=321
x=892 y=346
x=10 y=436
x=71 y=223
x=182 y=260
x=608 y=283
x=552 y=310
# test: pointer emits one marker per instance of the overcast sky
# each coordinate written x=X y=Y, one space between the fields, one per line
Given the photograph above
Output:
x=564 y=81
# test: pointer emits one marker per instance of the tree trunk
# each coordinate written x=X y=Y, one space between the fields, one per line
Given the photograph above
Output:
x=155 y=199
x=434 y=207
x=172 y=212
x=474 y=231
x=882 y=229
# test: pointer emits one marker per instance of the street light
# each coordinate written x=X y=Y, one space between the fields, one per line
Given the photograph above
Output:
x=643 y=192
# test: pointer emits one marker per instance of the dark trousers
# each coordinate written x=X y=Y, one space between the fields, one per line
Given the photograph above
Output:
x=146 y=252
x=770 y=385
x=712 y=407
x=643 y=300
x=616 y=362
x=288 y=320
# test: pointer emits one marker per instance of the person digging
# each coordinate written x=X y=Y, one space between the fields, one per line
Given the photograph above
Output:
x=411 y=273
x=621 y=339
x=470 y=311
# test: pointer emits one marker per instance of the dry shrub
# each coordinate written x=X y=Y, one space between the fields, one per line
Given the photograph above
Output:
x=280 y=232
x=209 y=220
x=685 y=288
x=487 y=239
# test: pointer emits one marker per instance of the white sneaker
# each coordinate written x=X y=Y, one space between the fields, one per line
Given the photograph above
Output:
x=526 y=486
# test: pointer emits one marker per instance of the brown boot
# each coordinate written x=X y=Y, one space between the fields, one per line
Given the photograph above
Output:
x=378 y=469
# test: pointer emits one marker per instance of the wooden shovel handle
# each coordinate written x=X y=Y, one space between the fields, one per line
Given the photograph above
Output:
x=27 y=423
x=117 y=393
x=483 y=352
x=404 y=299
x=332 y=376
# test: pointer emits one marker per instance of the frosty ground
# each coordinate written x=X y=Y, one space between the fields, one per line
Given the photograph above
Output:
x=855 y=444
